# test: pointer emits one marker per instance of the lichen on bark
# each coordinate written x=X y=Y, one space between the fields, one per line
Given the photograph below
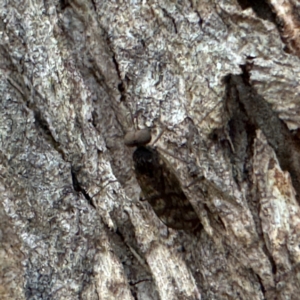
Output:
x=216 y=80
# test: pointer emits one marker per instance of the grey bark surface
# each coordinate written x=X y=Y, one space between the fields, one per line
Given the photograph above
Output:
x=217 y=82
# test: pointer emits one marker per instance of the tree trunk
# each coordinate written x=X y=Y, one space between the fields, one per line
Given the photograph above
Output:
x=217 y=84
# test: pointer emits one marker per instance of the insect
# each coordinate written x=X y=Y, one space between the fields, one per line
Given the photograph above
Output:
x=159 y=184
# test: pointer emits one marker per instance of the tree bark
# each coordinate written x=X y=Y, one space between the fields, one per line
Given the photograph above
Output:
x=217 y=83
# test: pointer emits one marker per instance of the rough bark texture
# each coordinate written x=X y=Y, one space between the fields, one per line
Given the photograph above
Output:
x=218 y=83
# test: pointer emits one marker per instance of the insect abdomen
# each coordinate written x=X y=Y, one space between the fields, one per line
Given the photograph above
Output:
x=162 y=189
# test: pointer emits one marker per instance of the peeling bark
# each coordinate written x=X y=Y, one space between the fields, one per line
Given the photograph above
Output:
x=217 y=83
